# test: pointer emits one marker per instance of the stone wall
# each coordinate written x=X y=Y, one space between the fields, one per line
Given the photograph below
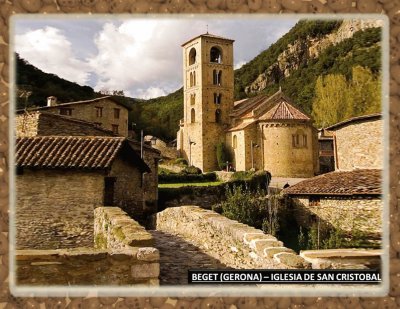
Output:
x=281 y=158
x=359 y=145
x=43 y=124
x=114 y=229
x=128 y=186
x=233 y=239
x=150 y=180
x=348 y=214
x=26 y=124
x=55 y=209
x=87 y=266
x=88 y=112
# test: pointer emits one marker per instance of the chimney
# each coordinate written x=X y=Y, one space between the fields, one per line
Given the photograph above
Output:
x=51 y=101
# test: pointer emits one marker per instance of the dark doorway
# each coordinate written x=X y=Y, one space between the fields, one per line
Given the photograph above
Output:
x=109 y=191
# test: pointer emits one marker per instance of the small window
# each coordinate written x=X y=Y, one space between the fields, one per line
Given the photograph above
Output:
x=66 y=111
x=218 y=116
x=217 y=98
x=192 y=99
x=192 y=56
x=99 y=111
x=234 y=143
x=299 y=140
x=116 y=113
x=314 y=201
x=192 y=116
x=191 y=79
x=217 y=77
x=194 y=78
x=215 y=54
x=115 y=128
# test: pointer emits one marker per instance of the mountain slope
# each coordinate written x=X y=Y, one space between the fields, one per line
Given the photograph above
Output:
x=311 y=49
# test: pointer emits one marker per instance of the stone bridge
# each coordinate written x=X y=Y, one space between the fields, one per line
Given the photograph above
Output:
x=186 y=237
x=189 y=237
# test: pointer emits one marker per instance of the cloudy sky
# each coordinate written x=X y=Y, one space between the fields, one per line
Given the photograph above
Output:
x=141 y=56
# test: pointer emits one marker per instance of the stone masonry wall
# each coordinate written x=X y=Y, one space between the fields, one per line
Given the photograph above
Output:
x=86 y=266
x=41 y=124
x=122 y=255
x=363 y=214
x=228 y=237
x=87 y=112
x=114 y=229
x=360 y=146
x=26 y=124
x=55 y=209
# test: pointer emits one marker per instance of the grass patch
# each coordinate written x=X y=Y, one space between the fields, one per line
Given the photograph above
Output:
x=189 y=184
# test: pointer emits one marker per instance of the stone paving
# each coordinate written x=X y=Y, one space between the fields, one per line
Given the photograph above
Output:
x=178 y=255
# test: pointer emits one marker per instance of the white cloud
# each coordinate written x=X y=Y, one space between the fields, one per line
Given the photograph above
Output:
x=239 y=64
x=141 y=56
x=49 y=50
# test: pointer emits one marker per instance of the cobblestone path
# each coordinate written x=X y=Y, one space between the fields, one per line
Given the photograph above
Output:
x=178 y=255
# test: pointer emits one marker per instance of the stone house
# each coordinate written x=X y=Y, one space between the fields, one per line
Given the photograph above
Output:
x=358 y=142
x=349 y=200
x=104 y=112
x=263 y=133
x=42 y=123
x=60 y=180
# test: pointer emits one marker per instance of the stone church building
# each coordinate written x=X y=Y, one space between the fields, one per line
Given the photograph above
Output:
x=261 y=133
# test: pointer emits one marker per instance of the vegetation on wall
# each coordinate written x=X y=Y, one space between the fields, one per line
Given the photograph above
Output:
x=222 y=155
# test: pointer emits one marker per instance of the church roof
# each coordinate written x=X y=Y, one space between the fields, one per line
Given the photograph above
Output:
x=208 y=35
x=265 y=108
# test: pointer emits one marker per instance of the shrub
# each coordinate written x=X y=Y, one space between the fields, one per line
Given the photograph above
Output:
x=222 y=156
x=183 y=178
x=191 y=170
x=181 y=161
x=252 y=208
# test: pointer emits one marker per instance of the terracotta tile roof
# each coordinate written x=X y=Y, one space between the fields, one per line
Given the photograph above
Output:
x=275 y=107
x=72 y=152
x=357 y=182
x=241 y=126
x=283 y=110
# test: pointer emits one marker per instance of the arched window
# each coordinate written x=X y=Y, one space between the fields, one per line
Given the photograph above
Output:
x=218 y=116
x=234 y=142
x=194 y=78
x=299 y=140
x=217 y=98
x=217 y=77
x=192 y=99
x=192 y=116
x=215 y=54
x=192 y=56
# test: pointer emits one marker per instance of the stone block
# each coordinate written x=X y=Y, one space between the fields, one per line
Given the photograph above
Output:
x=271 y=251
x=291 y=260
x=248 y=237
x=258 y=245
x=148 y=254
x=150 y=270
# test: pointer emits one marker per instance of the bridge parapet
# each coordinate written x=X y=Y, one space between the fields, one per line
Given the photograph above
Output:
x=229 y=238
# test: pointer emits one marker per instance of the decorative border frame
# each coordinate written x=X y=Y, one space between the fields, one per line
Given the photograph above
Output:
x=298 y=299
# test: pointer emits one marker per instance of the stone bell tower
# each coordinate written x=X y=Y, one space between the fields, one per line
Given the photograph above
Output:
x=208 y=98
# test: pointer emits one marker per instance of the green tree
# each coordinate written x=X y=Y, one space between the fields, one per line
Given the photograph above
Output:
x=364 y=95
x=329 y=104
x=222 y=156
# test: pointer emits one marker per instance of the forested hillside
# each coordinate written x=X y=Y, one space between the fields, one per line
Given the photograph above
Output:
x=330 y=75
